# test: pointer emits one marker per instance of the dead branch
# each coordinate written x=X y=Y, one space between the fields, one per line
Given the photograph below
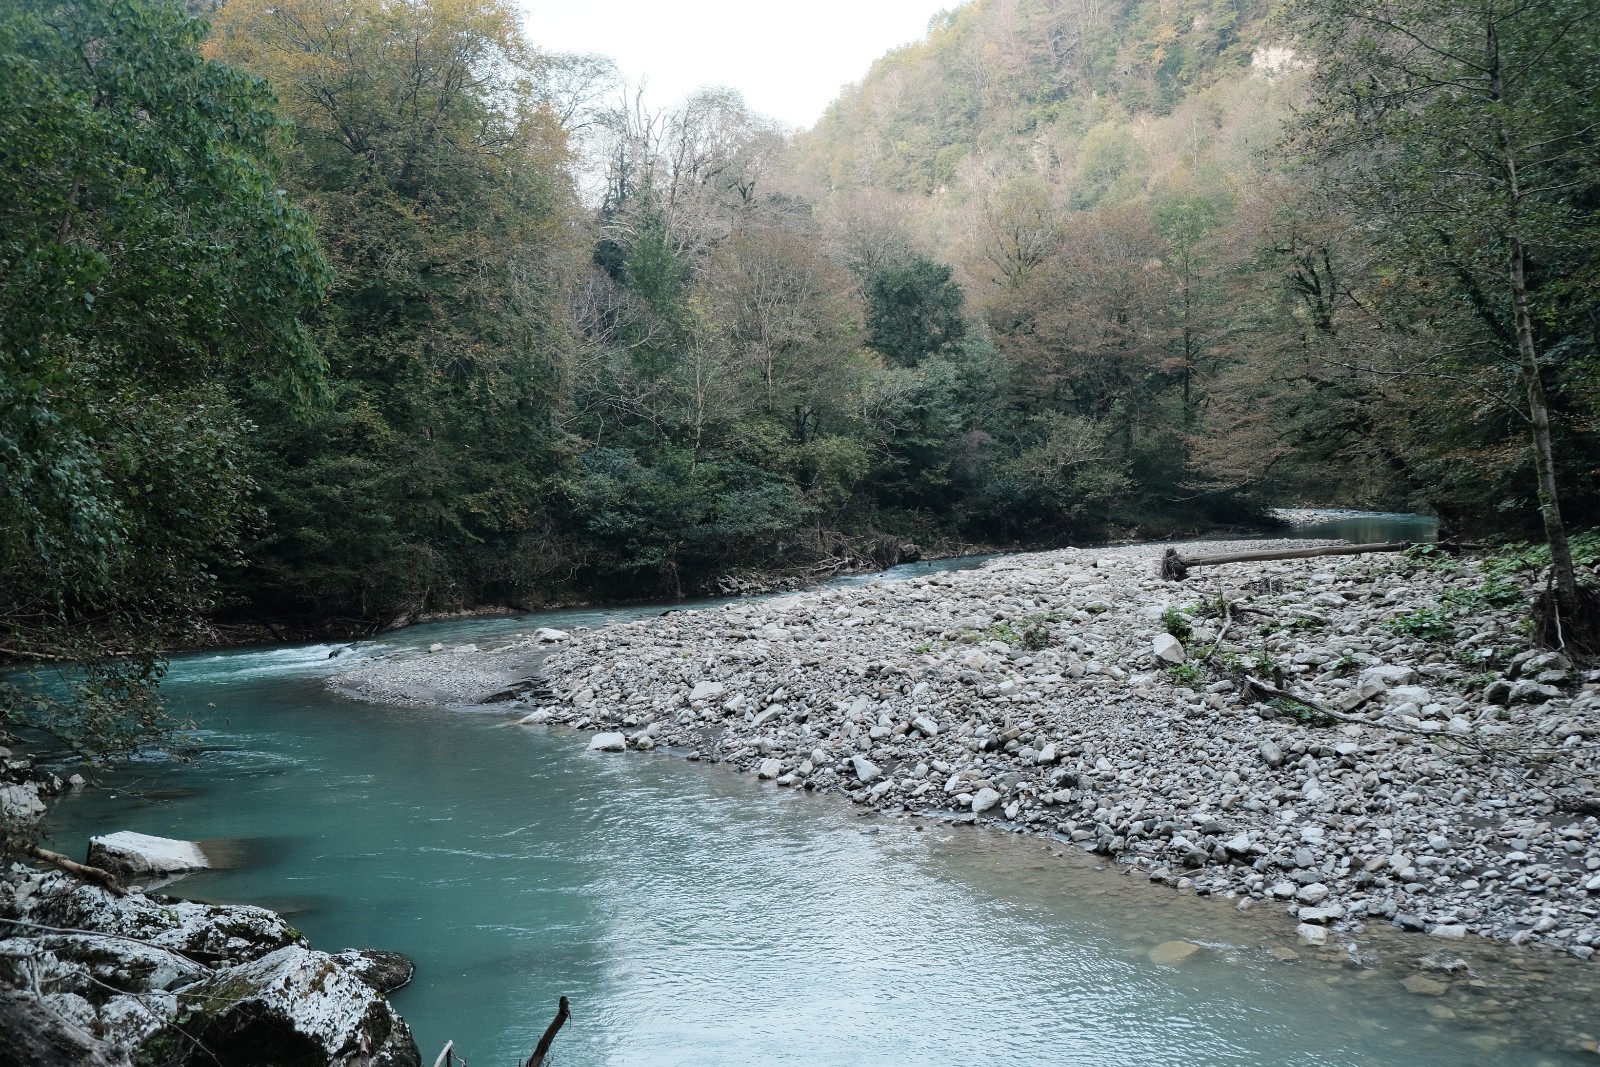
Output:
x=1175 y=567
x=81 y=871
x=542 y=1049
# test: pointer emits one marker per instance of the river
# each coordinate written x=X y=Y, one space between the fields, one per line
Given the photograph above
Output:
x=695 y=916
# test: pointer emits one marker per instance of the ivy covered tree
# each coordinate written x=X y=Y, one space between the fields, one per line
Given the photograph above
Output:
x=148 y=259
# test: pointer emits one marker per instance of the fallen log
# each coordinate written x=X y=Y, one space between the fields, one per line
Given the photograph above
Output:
x=542 y=1049
x=1175 y=567
x=81 y=871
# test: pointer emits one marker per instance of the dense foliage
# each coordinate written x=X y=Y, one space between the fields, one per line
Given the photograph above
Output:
x=148 y=263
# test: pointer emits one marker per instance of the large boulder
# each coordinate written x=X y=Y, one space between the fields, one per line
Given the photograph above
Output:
x=34 y=1034
x=132 y=855
x=292 y=1006
x=205 y=932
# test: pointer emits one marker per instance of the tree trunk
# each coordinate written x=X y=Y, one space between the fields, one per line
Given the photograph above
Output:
x=1555 y=532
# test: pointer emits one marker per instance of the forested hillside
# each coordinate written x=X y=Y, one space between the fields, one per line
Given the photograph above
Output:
x=326 y=314
x=1181 y=259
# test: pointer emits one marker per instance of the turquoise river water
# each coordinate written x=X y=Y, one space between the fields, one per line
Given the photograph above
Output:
x=696 y=916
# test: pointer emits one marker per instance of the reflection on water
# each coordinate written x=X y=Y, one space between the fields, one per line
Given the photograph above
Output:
x=695 y=916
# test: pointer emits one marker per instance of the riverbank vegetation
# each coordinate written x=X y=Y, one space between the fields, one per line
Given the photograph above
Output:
x=323 y=315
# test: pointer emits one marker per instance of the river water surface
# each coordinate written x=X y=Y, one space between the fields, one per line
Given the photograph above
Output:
x=696 y=916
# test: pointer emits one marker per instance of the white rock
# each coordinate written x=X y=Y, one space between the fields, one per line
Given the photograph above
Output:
x=1168 y=649
x=928 y=727
x=132 y=855
x=546 y=635
x=1312 y=935
x=769 y=769
x=985 y=799
x=20 y=801
x=608 y=742
x=866 y=770
x=706 y=691
x=1048 y=753
x=1315 y=893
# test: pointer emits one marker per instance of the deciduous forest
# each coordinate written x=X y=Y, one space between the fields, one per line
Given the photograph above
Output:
x=321 y=315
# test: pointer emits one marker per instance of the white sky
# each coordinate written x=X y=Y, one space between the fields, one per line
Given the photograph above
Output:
x=788 y=59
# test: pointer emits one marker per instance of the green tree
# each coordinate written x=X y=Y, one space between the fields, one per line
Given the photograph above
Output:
x=914 y=310
x=148 y=258
x=1468 y=130
x=427 y=145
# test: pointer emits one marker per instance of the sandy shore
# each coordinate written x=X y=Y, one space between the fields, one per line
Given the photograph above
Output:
x=1044 y=693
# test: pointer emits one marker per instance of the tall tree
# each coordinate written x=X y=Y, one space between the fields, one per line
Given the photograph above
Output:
x=1468 y=128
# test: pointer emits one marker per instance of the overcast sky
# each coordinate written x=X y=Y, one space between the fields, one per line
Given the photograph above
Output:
x=788 y=59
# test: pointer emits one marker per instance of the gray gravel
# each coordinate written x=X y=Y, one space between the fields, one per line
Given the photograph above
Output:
x=1042 y=693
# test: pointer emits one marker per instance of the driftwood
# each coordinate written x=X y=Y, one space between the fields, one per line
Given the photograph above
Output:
x=81 y=871
x=1175 y=567
x=542 y=1049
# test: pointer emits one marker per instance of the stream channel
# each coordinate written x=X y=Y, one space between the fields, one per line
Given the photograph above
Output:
x=695 y=916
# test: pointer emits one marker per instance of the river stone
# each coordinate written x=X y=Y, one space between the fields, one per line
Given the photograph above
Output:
x=1315 y=893
x=867 y=772
x=20 y=802
x=381 y=971
x=1168 y=649
x=608 y=742
x=293 y=1006
x=132 y=855
x=1170 y=953
x=706 y=691
x=928 y=727
x=1271 y=754
x=1312 y=935
x=769 y=769
x=1424 y=986
x=547 y=635
x=983 y=800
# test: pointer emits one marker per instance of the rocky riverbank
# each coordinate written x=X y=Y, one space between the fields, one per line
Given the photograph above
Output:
x=93 y=978
x=1076 y=694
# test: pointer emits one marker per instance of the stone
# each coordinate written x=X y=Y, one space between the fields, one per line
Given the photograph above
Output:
x=1312 y=935
x=546 y=635
x=928 y=727
x=867 y=772
x=437 y=646
x=199 y=931
x=706 y=691
x=983 y=800
x=296 y=1006
x=1423 y=986
x=1454 y=931
x=1271 y=754
x=34 y=1035
x=130 y=855
x=769 y=769
x=20 y=802
x=1315 y=893
x=1048 y=754
x=1168 y=649
x=1321 y=916
x=383 y=972
x=1171 y=953
x=608 y=742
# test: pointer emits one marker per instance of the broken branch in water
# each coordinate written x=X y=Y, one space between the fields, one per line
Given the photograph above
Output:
x=542 y=1049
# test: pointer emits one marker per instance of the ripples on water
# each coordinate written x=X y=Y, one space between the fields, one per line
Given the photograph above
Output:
x=695 y=916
